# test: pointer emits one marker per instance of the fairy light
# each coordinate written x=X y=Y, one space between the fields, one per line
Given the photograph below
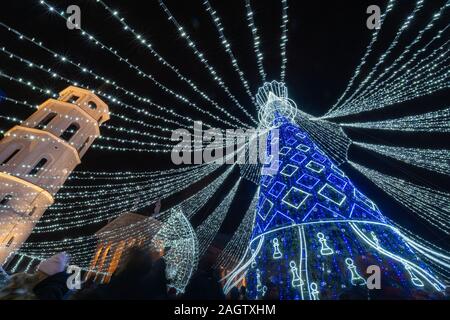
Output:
x=192 y=205
x=435 y=121
x=384 y=93
x=256 y=40
x=146 y=43
x=429 y=204
x=110 y=98
x=284 y=38
x=201 y=57
x=209 y=228
x=430 y=159
x=227 y=46
x=145 y=75
x=430 y=24
x=236 y=247
x=420 y=70
x=364 y=59
x=407 y=22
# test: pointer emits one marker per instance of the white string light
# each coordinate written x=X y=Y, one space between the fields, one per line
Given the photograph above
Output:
x=430 y=159
x=201 y=57
x=256 y=40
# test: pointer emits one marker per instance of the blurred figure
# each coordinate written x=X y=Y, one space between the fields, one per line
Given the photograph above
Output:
x=142 y=276
x=243 y=293
x=48 y=283
x=234 y=293
x=204 y=284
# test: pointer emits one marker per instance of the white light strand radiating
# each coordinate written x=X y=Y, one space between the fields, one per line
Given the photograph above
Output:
x=52 y=74
x=430 y=159
x=141 y=73
x=363 y=62
x=406 y=23
x=193 y=204
x=227 y=47
x=137 y=200
x=201 y=57
x=435 y=121
x=209 y=228
x=431 y=205
x=148 y=45
x=256 y=40
x=236 y=247
x=284 y=38
x=386 y=93
x=86 y=70
x=435 y=17
x=329 y=136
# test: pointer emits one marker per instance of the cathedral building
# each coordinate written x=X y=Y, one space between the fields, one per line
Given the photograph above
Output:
x=37 y=156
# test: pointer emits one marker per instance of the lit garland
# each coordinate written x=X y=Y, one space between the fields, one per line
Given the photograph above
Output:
x=236 y=247
x=83 y=69
x=430 y=159
x=148 y=45
x=407 y=22
x=256 y=40
x=284 y=38
x=140 y=73
x=435 y=121
x=201 y=57
x=385 y=93
x=209 y=228
x=369 y=49
x=227 y=46
x=429 y=204
x=192 y=205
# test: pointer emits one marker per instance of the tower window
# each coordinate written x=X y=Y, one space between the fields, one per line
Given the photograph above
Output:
x=83 y=145
x=70 y=131
x=6 y=200
x=10 y=241
x=38 y=167
x=73 y=99
x=10 y=157
x=92 y=105
x=44 y=122
x=32 y=212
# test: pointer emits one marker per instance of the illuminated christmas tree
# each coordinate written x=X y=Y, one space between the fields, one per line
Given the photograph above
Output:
x=315 y=234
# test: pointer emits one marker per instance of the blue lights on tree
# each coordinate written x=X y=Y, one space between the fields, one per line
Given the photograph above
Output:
x=315 y=234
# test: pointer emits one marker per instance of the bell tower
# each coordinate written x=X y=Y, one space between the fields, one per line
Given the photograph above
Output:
x=37 y=156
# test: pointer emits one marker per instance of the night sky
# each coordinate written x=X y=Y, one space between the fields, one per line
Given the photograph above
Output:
x=326 y=42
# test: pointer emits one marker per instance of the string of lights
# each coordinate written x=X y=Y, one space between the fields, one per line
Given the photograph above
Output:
x=227 y=47
x=236 y=247
x=430 y=159
x=148 y=45
x=405 y=25
x=417 y=39
x=429 y=204
x=434 y=121
x=284 y=38
x=256 y=40
x=201 y=57
x=209 y=228
x=84 y=69
x=364 y=60
x=140 y=73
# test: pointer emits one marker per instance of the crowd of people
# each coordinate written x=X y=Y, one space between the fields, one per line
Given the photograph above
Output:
x=141 y=276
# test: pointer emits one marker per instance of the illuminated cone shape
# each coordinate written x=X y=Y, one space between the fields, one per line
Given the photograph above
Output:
x=316 y=235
